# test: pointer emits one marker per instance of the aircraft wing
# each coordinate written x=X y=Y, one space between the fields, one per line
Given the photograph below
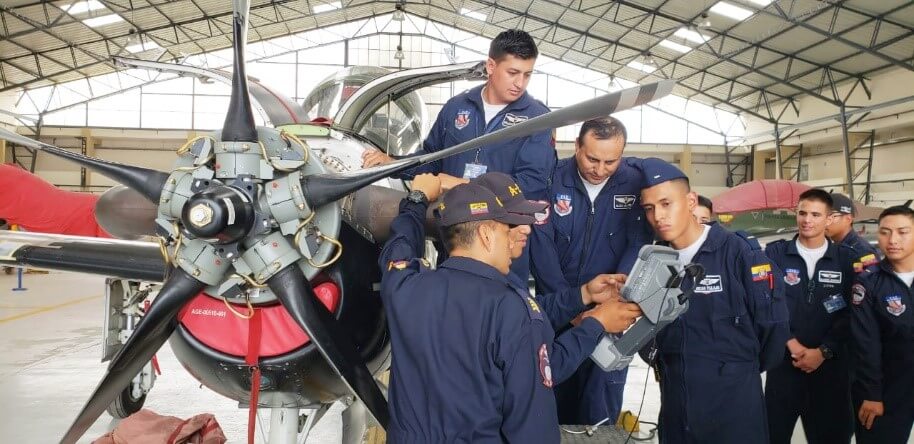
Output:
x=369 y=98
x=108 y=257
x=281 y=110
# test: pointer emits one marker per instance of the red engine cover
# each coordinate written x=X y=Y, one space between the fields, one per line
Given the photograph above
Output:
x=210 y=322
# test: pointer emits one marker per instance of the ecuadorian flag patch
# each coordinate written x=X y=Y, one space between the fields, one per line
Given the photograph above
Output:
x=760 y=272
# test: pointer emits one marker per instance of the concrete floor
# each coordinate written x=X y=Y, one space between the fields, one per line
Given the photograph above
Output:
x=49 y=365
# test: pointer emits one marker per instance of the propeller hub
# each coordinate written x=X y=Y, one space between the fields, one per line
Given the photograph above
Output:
x=221 y=214
x=201 y=215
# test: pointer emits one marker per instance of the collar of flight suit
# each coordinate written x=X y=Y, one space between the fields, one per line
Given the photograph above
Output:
x=571 y=177
x=475 y=267
x=831 y=252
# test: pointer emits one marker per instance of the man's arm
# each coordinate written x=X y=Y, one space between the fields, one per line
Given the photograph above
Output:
x=565 y=305
x=534 y=165
x=544 y=258
x=866 y=344
x=766 y=303
x=407 y=231
x=523 y=355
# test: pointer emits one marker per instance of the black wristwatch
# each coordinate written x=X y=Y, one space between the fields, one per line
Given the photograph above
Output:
x=416 y=196
x=827 y=353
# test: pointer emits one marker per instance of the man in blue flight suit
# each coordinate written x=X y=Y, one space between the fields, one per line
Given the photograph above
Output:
x=595 y=226
x=883 y=333
x=471 y=353
x=812 y=381
x=574 y=345
x=735 y=328
x=841 y=230
x=499 y=103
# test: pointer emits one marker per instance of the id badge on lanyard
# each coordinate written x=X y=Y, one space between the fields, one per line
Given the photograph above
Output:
x=474 y=169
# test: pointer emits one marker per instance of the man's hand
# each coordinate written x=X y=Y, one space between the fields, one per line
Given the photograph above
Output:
x=796 y=349
x=372 y=157
x=615 y=317
x=429 y=184
x=448 y=181
x=603 y=288
x=869 y=410
x=810 y=360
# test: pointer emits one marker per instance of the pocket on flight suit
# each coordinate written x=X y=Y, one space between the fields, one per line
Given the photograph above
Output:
x=730 y=322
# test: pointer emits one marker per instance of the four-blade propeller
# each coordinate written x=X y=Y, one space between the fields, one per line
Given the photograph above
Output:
x=287 y=281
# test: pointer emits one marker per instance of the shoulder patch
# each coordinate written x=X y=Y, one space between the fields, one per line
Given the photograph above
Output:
x=858 y=294
x=534 y=309
x=749 y=239
x=420 y=264
x=761 y=272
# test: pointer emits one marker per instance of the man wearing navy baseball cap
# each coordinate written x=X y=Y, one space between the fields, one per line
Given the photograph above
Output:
x=841 y=229
x=471 y=351
x=710 y=359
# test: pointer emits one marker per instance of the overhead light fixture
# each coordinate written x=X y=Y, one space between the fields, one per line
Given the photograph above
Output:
x=399 y=16
x=648 y=60
x=761 y=3
x=103 y=20
x=675 y=46
x=730 y=10
x=641 y=66
x=142 y=46
x=473 y=14
x=324 y=7
x=692 y=36
x=704 y=22
x=81 y=7
x=399 y=54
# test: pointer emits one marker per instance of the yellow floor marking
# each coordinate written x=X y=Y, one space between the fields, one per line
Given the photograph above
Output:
x=47 y=309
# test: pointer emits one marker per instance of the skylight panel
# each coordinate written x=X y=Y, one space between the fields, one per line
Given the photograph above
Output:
x=730 y=10
x=473 y=14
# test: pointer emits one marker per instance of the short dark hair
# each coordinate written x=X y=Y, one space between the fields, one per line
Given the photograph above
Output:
x=897 y=210
x=604 y=128
x=819 y=195
x=513 y=42
x=460 y=235
x=705 y=202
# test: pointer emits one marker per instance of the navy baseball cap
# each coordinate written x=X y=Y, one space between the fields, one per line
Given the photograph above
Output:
x=657 y=171
x=843 y=204
x=509 y=192
x=471 y=202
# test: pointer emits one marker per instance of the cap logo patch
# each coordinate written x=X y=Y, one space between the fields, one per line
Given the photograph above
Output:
x=462 y=119
x=479 y=208
x=514 y=190
x=623 y=201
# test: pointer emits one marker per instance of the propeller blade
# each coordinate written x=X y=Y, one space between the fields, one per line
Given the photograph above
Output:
x=147 y=182
x=321 y=189
x=155 y=328
x=126 y=214
x=334 y=343
x=239 y=120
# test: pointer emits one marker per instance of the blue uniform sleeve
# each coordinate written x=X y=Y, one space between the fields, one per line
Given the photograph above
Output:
x=766 y=303
x=534 y=165
x=867 y=343
x=522 y=353
x=544 y=259
x=401 y=256
x=561 y=307
x=573 y=346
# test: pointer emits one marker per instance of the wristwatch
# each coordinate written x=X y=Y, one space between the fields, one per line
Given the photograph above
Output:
x=416 y=196
x=827 y=353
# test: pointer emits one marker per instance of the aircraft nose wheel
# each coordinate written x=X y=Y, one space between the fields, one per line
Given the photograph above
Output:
x=126 y=403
